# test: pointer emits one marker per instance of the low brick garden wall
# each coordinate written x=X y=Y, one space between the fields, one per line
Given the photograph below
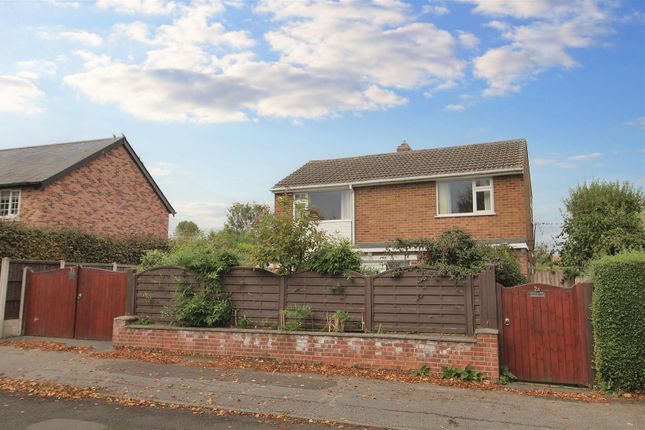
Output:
x=383 y=351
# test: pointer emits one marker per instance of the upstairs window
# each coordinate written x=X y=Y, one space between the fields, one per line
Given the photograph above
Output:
x=9 y=203
x=324 y=205
x=465 y=197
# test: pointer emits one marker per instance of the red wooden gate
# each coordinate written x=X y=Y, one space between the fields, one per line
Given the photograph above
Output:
x=546 y=333
x=74 y=302
x=50 y=303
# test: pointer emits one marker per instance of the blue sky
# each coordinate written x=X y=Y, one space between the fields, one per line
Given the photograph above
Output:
x=221 y=99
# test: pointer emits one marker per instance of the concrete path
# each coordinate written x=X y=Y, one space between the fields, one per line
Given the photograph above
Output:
x=342 y=399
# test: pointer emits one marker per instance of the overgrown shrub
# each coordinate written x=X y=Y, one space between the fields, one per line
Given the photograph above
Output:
x=18 y=241
x=455 y=254
x=287 y=242
x=600 y=218
x=334 y=257
x=205 y=307
x=618 y=312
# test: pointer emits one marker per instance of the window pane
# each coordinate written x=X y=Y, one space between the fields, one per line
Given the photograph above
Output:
x=4 y=203
x=326 y=205
x=461 y=197
x=483 y=201
x=455 y=197
x=482 y=182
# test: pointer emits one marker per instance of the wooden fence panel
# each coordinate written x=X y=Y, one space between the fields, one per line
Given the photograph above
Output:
x=418 y=301
x=255 y=295
x=155 y=290
x=412 y=300
x=327 y=294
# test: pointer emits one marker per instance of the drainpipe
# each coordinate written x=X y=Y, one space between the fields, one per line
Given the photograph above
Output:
x=351 y=188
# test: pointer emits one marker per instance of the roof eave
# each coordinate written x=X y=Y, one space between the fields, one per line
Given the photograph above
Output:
x=410 y=179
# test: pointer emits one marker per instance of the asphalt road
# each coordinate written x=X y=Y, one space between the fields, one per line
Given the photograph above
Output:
x=37 y=413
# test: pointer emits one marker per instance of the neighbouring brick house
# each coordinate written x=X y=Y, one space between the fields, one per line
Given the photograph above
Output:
x=99 y=186
x=484 y=189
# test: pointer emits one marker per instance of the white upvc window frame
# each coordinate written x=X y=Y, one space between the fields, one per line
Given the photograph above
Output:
x=475 y=188
x=12 y=192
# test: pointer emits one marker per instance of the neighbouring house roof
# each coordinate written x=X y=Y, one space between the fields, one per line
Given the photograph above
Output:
x=502 y=157
x=41 y=165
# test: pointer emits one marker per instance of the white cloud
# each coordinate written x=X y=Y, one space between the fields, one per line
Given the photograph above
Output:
x=457 y=107
x=376 y=41
x=145 y=7
x=34 y=69
x=332 y=58
x=468 y=40
x=64 y=4
x=541 y=44
x=551 y=162
x=640 y=122
x=160 y=169
x=207 y=215
x=586 y=157
x=18 y=94
x=75 y=36
x=435 y=9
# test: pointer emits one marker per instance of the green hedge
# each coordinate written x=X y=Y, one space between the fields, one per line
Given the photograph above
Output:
x=619 y=321
x=17 y=241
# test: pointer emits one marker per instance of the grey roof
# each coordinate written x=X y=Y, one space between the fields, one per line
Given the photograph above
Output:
x=41 y=165
x=502 y=156
x=33 y=165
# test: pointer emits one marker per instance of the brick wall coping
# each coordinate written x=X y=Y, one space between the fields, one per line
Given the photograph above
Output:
x=435 y=338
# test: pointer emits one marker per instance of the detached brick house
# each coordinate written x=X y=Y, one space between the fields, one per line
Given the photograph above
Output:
x=484 y=189
x=99 y=186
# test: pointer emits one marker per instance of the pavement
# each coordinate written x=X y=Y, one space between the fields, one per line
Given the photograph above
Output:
x=341 y=399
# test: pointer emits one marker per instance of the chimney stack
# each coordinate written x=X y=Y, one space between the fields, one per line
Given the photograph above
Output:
x=403 y=146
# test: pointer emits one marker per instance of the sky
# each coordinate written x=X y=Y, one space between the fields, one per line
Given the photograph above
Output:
x=221 y=99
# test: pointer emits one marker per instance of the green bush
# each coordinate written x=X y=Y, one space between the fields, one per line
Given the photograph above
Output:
x=618 y=312
x=206 y=307
x=18 y=241
x=294 y=315
x=600 y=218
x=455 y=254
x=334 y=257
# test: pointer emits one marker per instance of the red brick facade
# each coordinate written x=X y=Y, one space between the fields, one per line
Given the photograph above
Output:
x=407 y=211
x=107 y=196
x=341 y=349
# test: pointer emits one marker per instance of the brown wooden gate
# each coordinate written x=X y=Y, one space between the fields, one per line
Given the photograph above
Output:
x=74 y=302
x=50 y=303
x=546 y=333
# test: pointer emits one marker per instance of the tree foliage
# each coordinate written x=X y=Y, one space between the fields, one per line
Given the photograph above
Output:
x=455 y=254
x=186 y=230
x=601 y=218
x=286 y=241
x=243 y=217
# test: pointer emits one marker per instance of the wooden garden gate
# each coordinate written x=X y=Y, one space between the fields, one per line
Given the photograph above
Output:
x=546 y=333
x=74 y=302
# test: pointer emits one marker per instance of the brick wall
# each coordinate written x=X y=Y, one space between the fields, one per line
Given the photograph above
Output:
x=107 y=196
x=404 y=352
x=407 y=211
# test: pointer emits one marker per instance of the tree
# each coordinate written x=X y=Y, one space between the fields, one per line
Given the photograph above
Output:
x=287 y=242
x=243 y=217
x=600 y=218
x=186 y=230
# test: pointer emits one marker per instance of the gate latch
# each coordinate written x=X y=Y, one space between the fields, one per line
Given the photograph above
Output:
x=507 y=321
x=79 y=296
